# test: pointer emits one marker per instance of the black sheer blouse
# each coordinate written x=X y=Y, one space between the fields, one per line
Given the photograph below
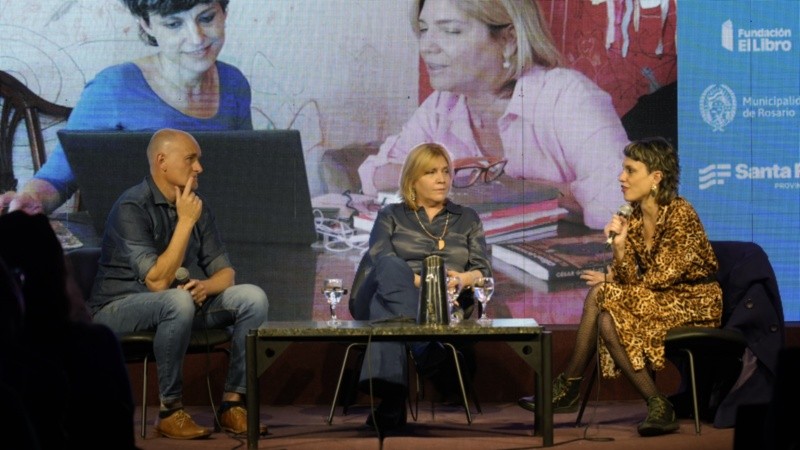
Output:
x=397 y=231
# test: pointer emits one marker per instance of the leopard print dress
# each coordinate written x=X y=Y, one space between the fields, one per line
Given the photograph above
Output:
x=671 y=284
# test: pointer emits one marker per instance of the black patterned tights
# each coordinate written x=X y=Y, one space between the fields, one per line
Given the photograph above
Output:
x=593 y=321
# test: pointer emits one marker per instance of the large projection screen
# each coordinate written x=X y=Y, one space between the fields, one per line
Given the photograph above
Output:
x=348 y=75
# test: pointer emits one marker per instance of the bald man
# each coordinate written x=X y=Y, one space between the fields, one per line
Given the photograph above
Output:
x=153 y=229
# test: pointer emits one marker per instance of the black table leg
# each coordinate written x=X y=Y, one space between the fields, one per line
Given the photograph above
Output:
x=251 y=397
x=544 y=408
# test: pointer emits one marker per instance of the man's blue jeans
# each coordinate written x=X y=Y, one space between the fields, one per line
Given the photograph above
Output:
x=173 y=315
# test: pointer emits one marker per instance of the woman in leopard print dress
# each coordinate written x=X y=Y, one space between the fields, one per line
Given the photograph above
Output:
x=662 y=276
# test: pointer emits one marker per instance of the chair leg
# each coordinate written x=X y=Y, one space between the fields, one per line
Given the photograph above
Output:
x=694 y=390
x=339 y=382
x=471 y=388
x=586 y=396
x=215 y=411
x=144 y=397
x=353 y=389
x=414 y=409
x=460 y=381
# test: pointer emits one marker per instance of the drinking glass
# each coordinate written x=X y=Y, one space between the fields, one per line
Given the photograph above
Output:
x=455 y=312
x=484 y=289
x=332 y=288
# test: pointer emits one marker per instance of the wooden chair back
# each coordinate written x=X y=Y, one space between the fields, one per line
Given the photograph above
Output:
x=20 y=104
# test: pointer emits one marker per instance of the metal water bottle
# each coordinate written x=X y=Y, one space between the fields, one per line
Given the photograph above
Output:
x=432 y=308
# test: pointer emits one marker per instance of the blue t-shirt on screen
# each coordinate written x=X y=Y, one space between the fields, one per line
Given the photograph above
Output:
x=119 y=98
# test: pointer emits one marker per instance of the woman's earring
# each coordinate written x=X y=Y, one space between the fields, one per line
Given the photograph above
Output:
x=413 y=196
x=506 y=63
x=653 y=190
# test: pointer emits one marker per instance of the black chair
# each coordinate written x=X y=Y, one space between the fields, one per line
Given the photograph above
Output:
x=138 y=346
x=361 y=312
x=721 y=348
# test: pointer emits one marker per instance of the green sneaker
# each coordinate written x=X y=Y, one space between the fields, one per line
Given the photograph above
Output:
x=660 y=417
x=566 y=396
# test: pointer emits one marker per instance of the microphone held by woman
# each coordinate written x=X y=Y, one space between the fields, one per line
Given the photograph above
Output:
x=623 y=211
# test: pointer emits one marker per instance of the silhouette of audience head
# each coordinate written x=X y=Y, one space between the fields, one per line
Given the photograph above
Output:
x=32 y=253
x=62 y=371
x=12 y=306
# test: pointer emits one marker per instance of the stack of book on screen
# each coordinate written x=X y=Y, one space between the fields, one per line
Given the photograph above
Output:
x=534 y=284
x=511 y=210
x=556 y=258
x=507 y=226
x=65 y=237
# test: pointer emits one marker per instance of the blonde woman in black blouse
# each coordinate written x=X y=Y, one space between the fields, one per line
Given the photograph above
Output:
x=424 y=223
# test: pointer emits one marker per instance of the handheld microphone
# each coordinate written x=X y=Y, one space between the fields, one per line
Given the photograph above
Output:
x=181 y=276
x=623 y=211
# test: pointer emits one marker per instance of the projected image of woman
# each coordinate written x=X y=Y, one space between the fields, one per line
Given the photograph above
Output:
x=182 y=85
x=500 y=91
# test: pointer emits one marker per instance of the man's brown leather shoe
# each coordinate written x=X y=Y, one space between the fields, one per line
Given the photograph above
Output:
x=234 y=420
x=180 y=425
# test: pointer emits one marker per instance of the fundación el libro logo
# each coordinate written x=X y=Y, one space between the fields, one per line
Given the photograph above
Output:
x=747 y=40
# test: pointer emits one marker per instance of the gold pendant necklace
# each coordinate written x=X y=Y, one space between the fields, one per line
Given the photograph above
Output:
x=440 y=239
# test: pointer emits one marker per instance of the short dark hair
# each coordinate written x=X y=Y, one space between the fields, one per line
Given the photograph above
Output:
x=144 y=8
x=656 y=153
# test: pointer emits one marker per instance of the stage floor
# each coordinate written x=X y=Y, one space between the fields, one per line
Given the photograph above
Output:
x=501 y=426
